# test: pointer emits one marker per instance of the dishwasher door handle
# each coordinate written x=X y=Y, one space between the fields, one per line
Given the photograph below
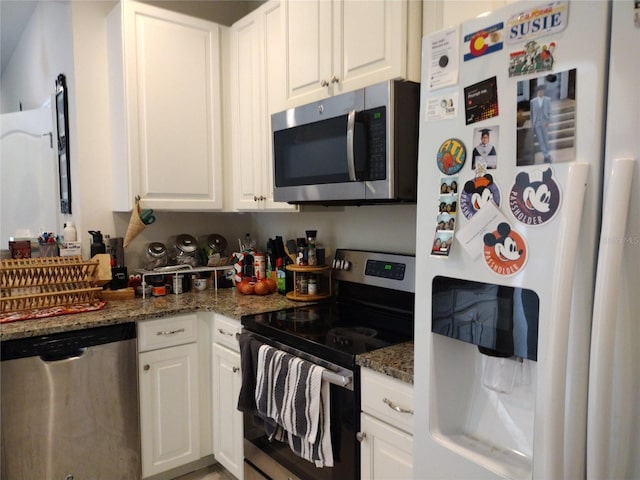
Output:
x=60 y=356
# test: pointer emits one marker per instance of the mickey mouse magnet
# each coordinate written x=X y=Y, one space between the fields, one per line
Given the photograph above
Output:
x=535 y=197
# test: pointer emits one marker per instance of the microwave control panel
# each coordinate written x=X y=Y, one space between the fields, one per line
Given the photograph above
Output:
x=377 y=143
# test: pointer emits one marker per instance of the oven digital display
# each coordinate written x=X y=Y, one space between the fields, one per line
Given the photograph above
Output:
x=392 y=270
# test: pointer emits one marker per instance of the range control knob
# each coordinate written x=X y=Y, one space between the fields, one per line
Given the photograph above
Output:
x=346 y=265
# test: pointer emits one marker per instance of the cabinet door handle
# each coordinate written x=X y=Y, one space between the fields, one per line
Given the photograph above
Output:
x=146 y=368
x=395 y=407
x=324 y=83
x=170 y=332
x=335 y=79
x=235 y=369
x=361 y=436
x=223 y=332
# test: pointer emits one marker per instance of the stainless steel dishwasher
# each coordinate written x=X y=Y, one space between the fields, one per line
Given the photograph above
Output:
x=69 y=406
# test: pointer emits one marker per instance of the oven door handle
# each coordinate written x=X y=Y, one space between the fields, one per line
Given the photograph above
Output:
x=351 y=161
x=339 y=379
x=339 y=376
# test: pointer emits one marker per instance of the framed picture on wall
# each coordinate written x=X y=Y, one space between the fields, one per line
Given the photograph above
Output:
x=62 y=120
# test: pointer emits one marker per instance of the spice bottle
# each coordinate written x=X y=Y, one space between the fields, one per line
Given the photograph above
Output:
x=312 y=287
x=311 y=247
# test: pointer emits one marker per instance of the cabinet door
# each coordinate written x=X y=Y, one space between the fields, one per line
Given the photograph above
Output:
x=374 y=42
x=275 y=93
x=247 y=112
x=227 y=420
x=168 y=380
x=386 y=452
x=172 y=110
x=309 y=50
x=257 y=91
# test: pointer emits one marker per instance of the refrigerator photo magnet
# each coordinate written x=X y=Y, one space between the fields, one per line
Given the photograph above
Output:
x=478 y=192
x=451 y=156
x=442 y=243
x=489 y=234
x=505 y=251
x=532 y=58
x=485 y=152
x=535 y=197
x=546 y=119
x=447 y=210
x=481 y=101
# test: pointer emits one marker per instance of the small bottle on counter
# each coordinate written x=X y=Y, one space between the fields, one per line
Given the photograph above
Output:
x=69 y=232
x=311 y=247
x=281 y=277
x=312 y=287
x=259 y=266
x=302 y=287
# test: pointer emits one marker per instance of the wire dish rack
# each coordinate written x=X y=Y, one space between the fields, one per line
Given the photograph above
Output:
x=32 y=283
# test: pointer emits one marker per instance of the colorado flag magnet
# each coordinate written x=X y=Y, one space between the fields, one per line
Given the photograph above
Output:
x=483 y=41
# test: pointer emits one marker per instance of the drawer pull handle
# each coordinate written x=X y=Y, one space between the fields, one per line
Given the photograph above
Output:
x=170 y=332
x=395 y=407
x=223 y=332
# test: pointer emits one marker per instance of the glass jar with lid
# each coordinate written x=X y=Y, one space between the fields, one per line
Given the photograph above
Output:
x=185 y=251
x=155 y=256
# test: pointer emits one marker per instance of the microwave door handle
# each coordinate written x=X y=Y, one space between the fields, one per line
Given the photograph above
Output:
x=351 y=161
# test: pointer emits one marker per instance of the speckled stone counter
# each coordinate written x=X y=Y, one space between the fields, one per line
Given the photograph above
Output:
x=226 y=301
x=395 y=361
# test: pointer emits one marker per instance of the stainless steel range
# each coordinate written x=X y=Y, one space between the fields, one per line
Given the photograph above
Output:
x=373 y=308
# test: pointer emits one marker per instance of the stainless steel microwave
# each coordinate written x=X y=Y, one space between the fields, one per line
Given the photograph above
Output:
x=359 y=147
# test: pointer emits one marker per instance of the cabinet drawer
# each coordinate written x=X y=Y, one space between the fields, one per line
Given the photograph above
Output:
x=167 y=332
x=388 y=399
x=226 y=331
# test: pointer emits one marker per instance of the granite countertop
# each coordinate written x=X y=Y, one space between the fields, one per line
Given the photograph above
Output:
x=226 y=301
x=395 y=361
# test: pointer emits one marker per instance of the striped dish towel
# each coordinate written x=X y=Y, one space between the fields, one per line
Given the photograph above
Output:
x=290 y=391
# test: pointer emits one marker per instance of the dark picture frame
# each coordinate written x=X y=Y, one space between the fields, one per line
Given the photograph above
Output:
x=62 y=121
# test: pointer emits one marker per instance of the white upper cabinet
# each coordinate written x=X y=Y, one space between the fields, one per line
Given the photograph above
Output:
x=257 y=91
x=164 y=80
x=342 y=45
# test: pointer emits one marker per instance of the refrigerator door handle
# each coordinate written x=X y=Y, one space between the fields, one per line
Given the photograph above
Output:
x=605 y=306
x=553 y=436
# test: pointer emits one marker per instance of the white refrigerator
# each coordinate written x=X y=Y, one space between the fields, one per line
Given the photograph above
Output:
x=528 y=245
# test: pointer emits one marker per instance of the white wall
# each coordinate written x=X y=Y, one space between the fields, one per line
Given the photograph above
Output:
x=28 y=80
x=44 y=52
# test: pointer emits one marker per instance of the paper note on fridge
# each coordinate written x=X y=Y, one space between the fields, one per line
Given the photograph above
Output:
x=485 y=220
x=442 y=54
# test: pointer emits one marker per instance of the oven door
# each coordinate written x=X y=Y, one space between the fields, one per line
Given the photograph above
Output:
x=275 y=460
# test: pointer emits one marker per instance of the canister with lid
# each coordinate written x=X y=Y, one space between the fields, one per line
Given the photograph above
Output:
x=155 y=256
x=186 y=250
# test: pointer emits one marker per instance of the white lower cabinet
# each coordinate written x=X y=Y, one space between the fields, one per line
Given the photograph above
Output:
x=172 y=402
x=386 y=432
x=227 y=379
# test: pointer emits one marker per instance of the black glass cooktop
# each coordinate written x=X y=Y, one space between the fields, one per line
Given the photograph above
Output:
x=336 y=332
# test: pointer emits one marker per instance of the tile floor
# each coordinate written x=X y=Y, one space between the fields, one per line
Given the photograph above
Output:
x=213 y=472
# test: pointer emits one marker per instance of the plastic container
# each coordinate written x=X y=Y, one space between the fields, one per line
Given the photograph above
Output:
x=70 y=234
